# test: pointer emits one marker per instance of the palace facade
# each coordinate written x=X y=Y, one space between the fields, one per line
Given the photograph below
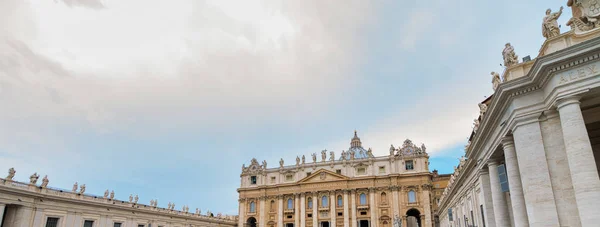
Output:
x=355 y=190
x=37 y=205
x=534 y=155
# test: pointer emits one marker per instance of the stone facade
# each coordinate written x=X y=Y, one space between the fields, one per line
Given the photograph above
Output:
x=355 y=190
x=533 y=160
x=34 y=205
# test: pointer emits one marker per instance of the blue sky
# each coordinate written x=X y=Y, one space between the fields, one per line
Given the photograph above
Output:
x=167 y=100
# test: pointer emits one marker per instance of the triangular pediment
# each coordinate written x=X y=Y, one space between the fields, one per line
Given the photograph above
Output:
x=323 y=175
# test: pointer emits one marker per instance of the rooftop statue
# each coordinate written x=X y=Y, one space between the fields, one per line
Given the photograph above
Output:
x=343 y=155
x=264 y=164
x=392 y=149
x=586 y=15
x=303 y=159
x=45 y=181
x=314 y=157
x=331 y=156
x=135 y=199
x=324 y=155
x=281 y=163
x=423 y=148
x=106 y=194
x=549 y=25
x=130 y=198
x=297 y=161
x=82 y=189
x=74 y=189
x=495 y=80
x=11 y=174
x=112 y=195
x=482 y=108
x=475 y=125
x=370 y=153
x=510 y=58
x=33 y=178
x=352 y=154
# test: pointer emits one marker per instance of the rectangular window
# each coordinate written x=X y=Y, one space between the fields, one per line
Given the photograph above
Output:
x=340 y=214
x=503 y=178
x=310 y=215
x=252 y=181
x=482 y=216
x=382 y=169
x=450 y=214
x=338 y=171
x=140 y=225
x=51 y=222
x=361 y=171
x=308 y=174
x=88 y=223
x=289 y=177
x=409 y=165
x=273 y=180
x=117 y=224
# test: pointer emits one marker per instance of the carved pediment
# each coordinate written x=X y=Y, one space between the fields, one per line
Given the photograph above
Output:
x=323 y=175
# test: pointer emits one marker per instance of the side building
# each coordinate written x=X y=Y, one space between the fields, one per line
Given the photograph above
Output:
x=533 y=158
x=355 y=190
x=34 y=205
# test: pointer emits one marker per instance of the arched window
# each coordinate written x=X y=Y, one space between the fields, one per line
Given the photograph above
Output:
x=272 y=208
x=412 y=196
x=309 y=202
x=324 y=201
x=339 y=201
x=383 y=198
x=363 y=199
x=252 y=207
x=290 y=204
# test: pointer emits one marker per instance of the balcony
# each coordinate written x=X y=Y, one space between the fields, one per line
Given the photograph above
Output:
x=288 y=211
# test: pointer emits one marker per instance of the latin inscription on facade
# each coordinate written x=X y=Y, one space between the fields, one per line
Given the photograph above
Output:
x=577 y=74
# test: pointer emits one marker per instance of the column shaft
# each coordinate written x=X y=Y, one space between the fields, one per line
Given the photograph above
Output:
x=296 y=210
x=332 y=205
x=315 y=204
x=353 y=208
x=535 y=175
x=514 y=183
x=395 y=206
x=427 y=207
x=2 y=207
x=584 y=172
x=373 y=207
x=263 y=218
x=346 y=214
x=302 y=210
x=500 y=207
x=280 y=212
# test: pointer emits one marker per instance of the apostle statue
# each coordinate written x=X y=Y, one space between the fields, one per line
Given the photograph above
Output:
x=314 y=157
x=343 y=155
x=324 y=155
x=45 y=181
x=392 y=149
x=352 y=154
x=297 y=161
x=197 y=211
x=33 y=178
x=135 y=199
x=495 y=80
x=423 y=148
x=303 y=159
x=370 y=153
x=482 y=108
x=130 y=198
x=281 y=163
x=510 y=58
x=264 y=164
x=11 y=174
x=82 y=189
x=475 y=125
x=331 y=156
x=74 y=189
x=112 y=195
x=106 y=194
x=549 y=25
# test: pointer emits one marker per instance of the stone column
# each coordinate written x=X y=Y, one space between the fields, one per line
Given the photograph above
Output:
x=426 y=206
x=242 y=212
x=2 y=208
x=296 y=210
x=373 y=207
x=263 y=219
x=514 y=183
x=23 y=216
x=38 y=218
x=405 y=220
x=280 y=211
x=332 y=205
x=584 y=172
x=535 y=175
x=315 y=204
x=500 y=207
x=353 y=208
x=395 y=206
x=302 y=209
x=346 y=214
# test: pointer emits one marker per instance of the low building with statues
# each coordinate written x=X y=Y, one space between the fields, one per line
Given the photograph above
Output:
x=534 y=153
x=36 y=204
x=354 y=189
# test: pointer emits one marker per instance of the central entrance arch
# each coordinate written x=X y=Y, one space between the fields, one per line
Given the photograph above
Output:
x=413 y=218
x=251 y=222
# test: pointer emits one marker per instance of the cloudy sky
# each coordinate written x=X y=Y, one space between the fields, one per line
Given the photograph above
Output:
x=167 y=99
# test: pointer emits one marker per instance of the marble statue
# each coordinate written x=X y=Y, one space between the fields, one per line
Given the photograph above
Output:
x=82 y=189
x=462 y=160
x=495 y=80
x=370 y=153
x=112 y=195
x=510 y=58
x=352 y=155
x=169 y=206
x=343 y=155
x=106 y=194
x=475 y=125
x=135 y=199
x=549 y=25
x=197 y=211
x=303 y=159
x=482 y=108
x=11 y=174
x=423 y=148
x=331 y=156
x=314 y=157
x=74 y=189
x=264 y=164
x=324 y=155
x=33 y=178
x=130 y=198
x=172 y=206
x=219 y=215
x=392 y=149
x=45 y=181
x=297 y=161
x=397 y=221
x=281 y=163
x=468 y=145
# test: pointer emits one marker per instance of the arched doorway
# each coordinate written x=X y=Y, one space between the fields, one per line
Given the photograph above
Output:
x=251 y=222
x=413 y=218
